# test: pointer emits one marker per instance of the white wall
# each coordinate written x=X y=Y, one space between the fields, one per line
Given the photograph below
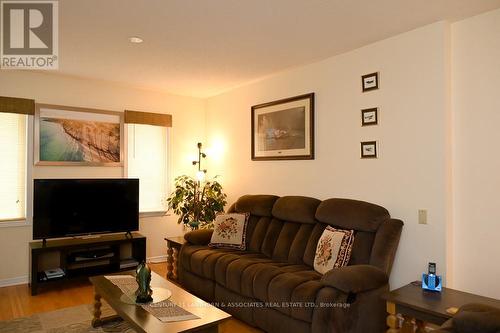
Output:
x=188 y=128
x=412 y=171
x=476 y=108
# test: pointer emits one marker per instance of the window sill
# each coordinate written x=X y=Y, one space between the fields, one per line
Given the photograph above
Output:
x=14 y=223
x=153 y=214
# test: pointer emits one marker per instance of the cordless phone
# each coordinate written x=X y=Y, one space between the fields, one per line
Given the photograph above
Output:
x=431 y=281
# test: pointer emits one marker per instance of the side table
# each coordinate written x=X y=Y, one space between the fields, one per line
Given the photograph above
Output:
x=419 y=307
x=173 y=247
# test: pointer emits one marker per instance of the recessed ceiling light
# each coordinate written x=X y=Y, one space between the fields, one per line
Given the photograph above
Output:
x=135 y=40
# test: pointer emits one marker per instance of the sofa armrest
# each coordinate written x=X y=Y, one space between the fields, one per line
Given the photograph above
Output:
x=474 y=317
x=199 y=237
x=355 y=278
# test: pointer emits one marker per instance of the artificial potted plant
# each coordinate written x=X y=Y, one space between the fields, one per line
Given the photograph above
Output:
x=197 y=201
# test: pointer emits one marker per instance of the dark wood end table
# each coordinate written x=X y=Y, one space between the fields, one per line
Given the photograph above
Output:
x=419 y=307
x=174 y=245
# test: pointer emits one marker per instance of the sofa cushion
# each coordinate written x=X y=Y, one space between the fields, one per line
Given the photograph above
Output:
x=267 y=273
x=298 y=290
x=186 y=252
x=230 y=231
x=199 y=237
x=201 y=259
x=312 y=243
x=296 y=209
x=239 y=274
x=247 y=279
x=299 y=243
x=362 y=247
x=355 y=279
x=221 y=274
x=284 y=241
x=351 y=214
x=256 y=231
x=271 y=237
x=273 y=282
x=200 y=286
x=287 y=283
x=333 y=250
x=385 y=244
x=259 y=205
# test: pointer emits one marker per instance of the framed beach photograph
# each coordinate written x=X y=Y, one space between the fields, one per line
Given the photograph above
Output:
x=284 y=129
x=369 y=149
x=369 y=117
x=369 y=81
x=77 y=136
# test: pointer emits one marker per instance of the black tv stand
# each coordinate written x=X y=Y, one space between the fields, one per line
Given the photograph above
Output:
x=84 y=257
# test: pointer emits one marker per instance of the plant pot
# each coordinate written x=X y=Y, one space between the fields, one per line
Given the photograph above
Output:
x=194 y=224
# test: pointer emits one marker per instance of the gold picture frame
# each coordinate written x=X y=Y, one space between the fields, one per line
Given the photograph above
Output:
x=74 y=136
x=283 y=129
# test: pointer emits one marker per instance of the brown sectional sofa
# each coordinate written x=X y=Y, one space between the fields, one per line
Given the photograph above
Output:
x=273 y=285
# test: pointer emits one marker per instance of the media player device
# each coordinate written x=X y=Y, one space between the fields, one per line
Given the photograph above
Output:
x=431 y=281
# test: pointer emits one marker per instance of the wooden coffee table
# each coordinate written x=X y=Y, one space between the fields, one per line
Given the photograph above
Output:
x=143 y=321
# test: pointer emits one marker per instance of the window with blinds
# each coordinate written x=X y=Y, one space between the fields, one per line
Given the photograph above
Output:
x=13 y=152
x=147 y=160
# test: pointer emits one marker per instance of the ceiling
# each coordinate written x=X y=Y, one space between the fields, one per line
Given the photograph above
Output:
x=204 y=47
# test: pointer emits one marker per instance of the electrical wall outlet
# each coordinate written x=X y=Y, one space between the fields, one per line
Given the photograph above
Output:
x=422 y=216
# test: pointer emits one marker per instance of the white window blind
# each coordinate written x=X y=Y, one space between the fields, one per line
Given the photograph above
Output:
x=13 y=152
x=147 y=160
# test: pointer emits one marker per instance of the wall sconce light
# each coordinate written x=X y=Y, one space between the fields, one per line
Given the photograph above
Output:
x=200 y=175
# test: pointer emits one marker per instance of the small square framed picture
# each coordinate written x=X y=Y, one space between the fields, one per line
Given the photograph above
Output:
x=369 y=149
x=369 y=117
x=369 y=81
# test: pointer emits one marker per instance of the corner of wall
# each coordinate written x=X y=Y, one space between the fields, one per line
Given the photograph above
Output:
x=449 y=154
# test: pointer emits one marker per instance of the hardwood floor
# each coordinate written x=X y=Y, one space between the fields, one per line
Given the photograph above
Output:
x=16 y=301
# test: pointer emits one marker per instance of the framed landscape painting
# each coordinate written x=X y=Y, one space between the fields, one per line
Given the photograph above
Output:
x=77 y=136
x=284 y=129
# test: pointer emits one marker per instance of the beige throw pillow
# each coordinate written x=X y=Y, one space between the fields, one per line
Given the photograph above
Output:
x=229 y=231
x=333 y=249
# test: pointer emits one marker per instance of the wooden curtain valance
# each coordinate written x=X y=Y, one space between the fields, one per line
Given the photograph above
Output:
x=147 y=118
x=17 y=105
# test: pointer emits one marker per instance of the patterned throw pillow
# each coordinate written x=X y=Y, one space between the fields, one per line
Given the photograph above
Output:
x=229 y=231
x=333 y=249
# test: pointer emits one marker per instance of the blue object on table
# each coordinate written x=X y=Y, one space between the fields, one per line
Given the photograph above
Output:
x=432 y=282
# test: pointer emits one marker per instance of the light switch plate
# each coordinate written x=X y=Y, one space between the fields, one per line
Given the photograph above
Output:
x=422 y=216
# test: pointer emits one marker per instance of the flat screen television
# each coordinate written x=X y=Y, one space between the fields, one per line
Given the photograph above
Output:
x=73 y=207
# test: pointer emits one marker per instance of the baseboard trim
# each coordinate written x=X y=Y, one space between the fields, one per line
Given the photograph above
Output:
x=14 y=281
x=157 y=259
